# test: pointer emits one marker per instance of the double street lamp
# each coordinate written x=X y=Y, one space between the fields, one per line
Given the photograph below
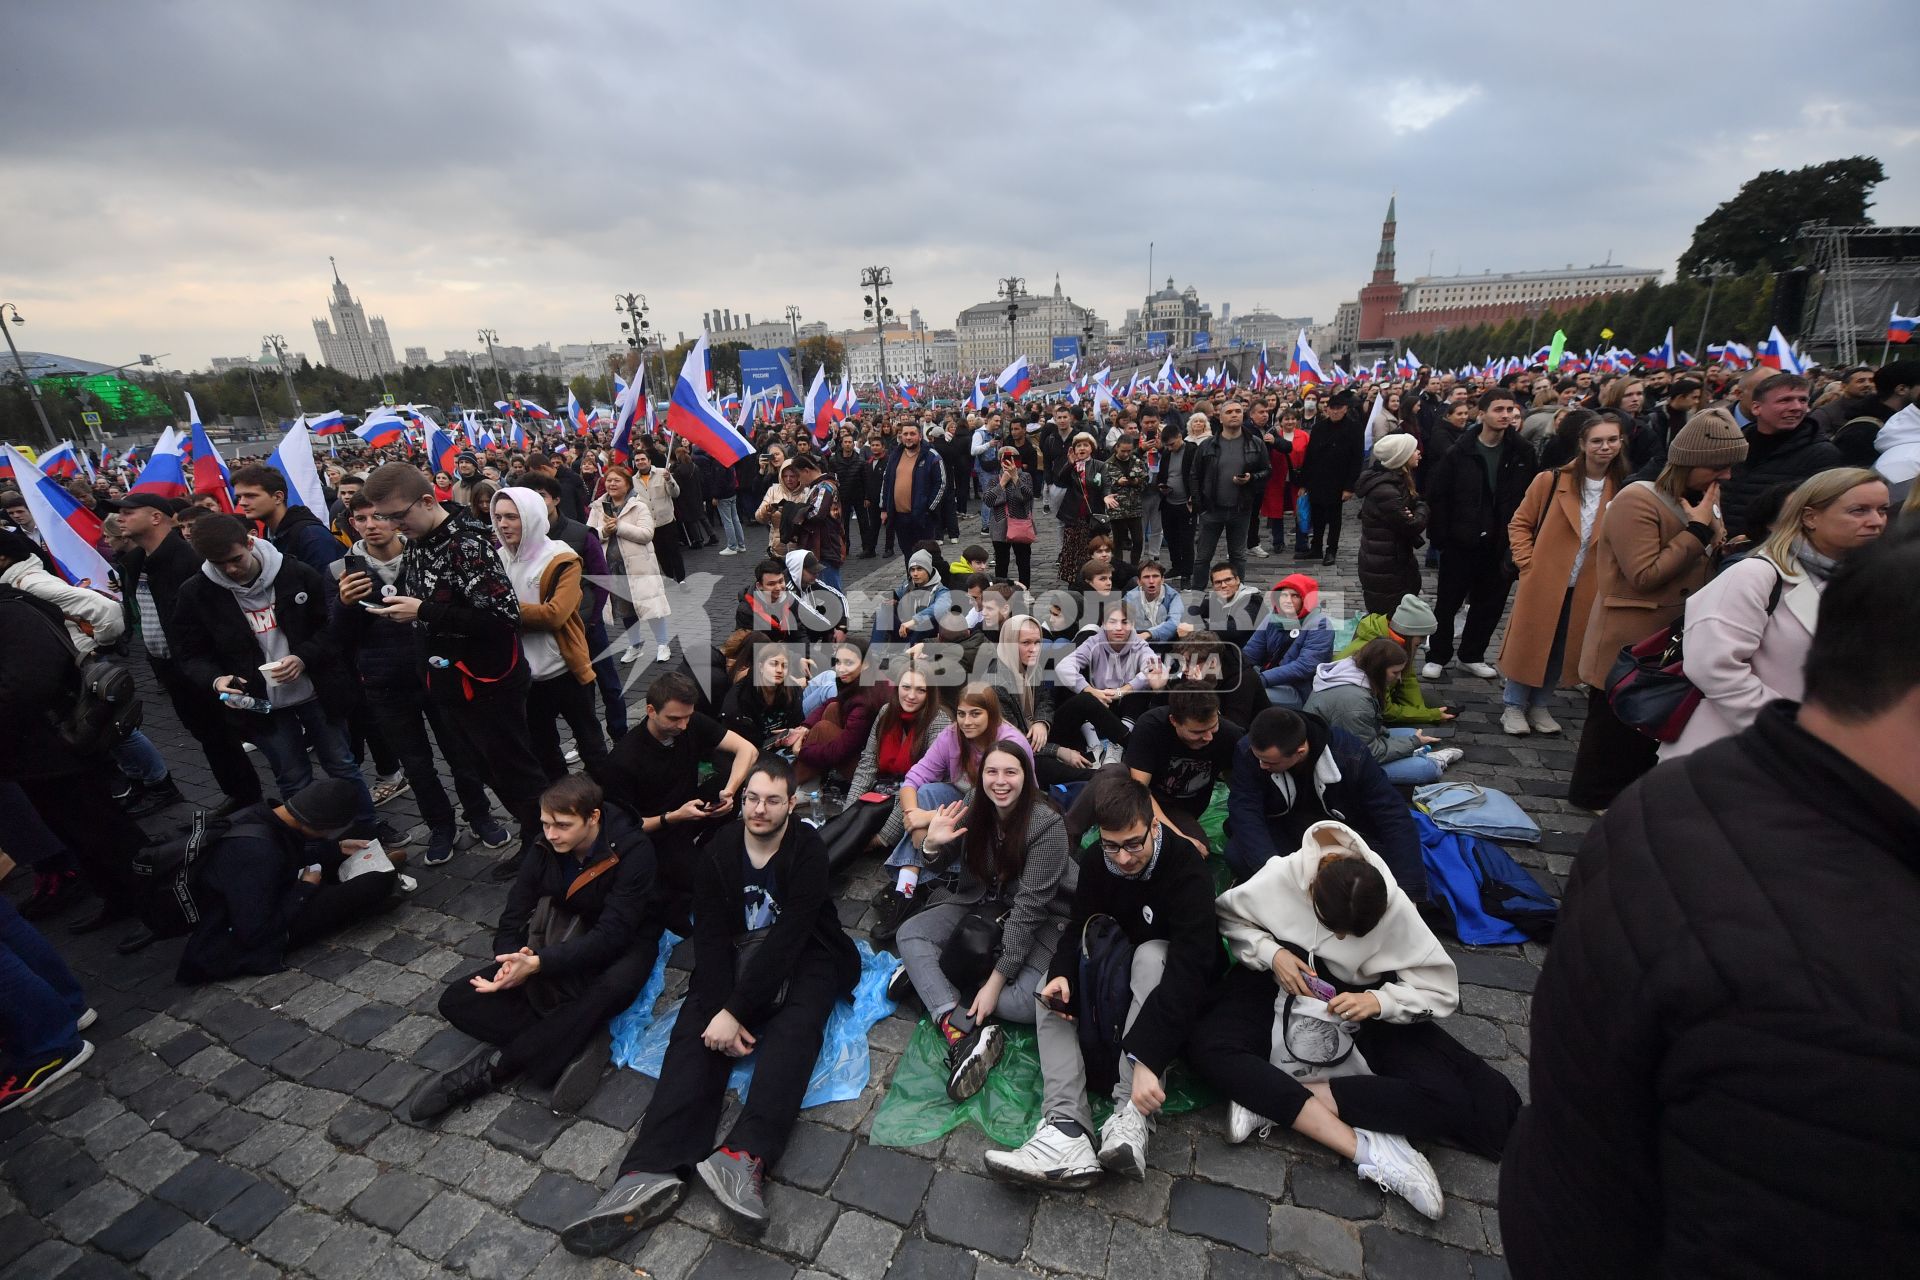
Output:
x=1012 y=288
x=490 y=337
x=873 y=280
x=279 y=345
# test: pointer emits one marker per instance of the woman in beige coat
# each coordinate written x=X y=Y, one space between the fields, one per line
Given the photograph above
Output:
x=631 y=527
x=1656 y=547
x=1551 y=536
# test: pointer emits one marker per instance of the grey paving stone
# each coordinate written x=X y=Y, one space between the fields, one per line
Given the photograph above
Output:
x=365 y=1023
x=291 y=1238
x=47 y=1258
x=336 y=1186
x=232 y=1264
x=1459 y=1225
x=183 y=1046
x=391 y=1200
x=1315 y=1239
x=1251 y=1166
x=500 y=1177
x=138 y=1230
x=226 y=1131
x=210 y=1063
x=729 y=1261
x=152 y=1102
x=406 y=1036
x=93 y=1210
x=979 y=1213
x=88 y=1118
x=151 y=1161
x=813 y=1156
x=446 y=1049
x=554 y=1199
x=136 y=1075
x=1136 y=1251
x=181 y=1253
x=1394 y=1255
x=1231 y=1216
x=1070 y=1237
x=1337 y=1190
x=585 y=1149
x=1488 y=970
x=922 y=1259
x=1231 y=1264
x=231 y=1019
x=526 y=1127
x=401 y=1144
x=189 y=1114
x=312 y=1108
x=501 y=1249
x=861 y=1247
x=118 y=1134
x=1144 y=1202
x=239 y=1081
x=248 y=1214
x=353 y=1252
x=264 y=1145
x=453 y=1158
x=798 y=1220
x=883 y=1182
x=268 y=1041
x=204 y=1187
x=348 y=1069
x=672 y=1250
x=475 y=1119
x=390 y=1085
x=356 y=1123
x=1491 y=1002
x=304 y=1160
x=1485 y=1268
x=446 y=1220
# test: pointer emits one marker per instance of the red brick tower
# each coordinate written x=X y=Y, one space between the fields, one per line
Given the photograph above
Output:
x=1382 y=294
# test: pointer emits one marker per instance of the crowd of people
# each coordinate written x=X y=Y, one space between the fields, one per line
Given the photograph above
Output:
x=1030 y=761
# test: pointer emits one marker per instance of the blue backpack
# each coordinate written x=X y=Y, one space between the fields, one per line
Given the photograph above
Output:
x=1102 y=997
x=1490 y=898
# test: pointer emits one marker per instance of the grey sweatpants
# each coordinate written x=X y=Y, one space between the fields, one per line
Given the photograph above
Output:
x=1063 y=1073
x=924 y=936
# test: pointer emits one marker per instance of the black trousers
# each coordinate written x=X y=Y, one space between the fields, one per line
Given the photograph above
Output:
x=542 y=1024
x=212 y=727
x=1424 y=1083
x=1083 y=708
x=908 y=527
x=402 y=714
x=1177 y=521
x=666 y=549
x=869 y=527
x=492 y=730
x=1611 y=757
x=364 y=738
x=1022 y=553
x=336 y=905
x=677 y=1131
x=1128 y=544
x=1477 y=578
x=1326 y=519
x=567 y=699
x=78 y=808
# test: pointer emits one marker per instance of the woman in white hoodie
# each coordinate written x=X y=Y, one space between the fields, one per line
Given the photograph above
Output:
x=546 y=576
x=1330 y=914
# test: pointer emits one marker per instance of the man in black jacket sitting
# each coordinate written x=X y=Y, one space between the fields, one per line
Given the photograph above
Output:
x=770 y=961
x=576 y=943
x=272 y=883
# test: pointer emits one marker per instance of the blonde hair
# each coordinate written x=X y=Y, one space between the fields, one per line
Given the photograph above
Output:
x=1816 y=493
x=1007 y=651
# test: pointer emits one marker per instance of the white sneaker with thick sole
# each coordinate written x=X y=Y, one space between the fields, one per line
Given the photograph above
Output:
x=663 y=654
x=1445 y=757
x=1542 y=721
x=1432 y=671
x=1484 y=670
x=1391 y=1161
x=1513 y=720
x=1123 y=1142
x=1050 y=1158
x=630 y=657
x=1243 y=1123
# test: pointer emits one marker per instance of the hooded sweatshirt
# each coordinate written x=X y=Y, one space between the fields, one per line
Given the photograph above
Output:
x=1899 y=444
x=526 y=566
x=256 y=603
x=818 y=608
x=1342 y=697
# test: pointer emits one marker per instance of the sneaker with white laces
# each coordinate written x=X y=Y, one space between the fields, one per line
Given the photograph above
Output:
x=1257 y=550
x=630 y=657
x=663 y=654
x=1123 y=1142
x=1513 y=720
x=1432 y=670
x=1391 y=1161
x=388 y=786
x=1243 y=1123
x=728 y=551
x=970 y=1058
x=1445 y=757
x=1482 y=669
x=1052 y=1157
x=1542 y=720
x=571 y=755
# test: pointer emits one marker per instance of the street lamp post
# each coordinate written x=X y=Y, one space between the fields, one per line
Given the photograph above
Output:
x=1711 y=272
x=636 y=326
x=800 y=365
x=490 y=337
x=873 y=280
x=279 y=345
x=1012 y=288
x=33 y=388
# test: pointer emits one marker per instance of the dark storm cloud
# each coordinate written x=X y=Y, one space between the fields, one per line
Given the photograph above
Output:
x=179 y=173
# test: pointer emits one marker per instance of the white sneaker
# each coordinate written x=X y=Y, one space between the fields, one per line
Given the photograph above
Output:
x=1051 y=1158
x=571 y=755
x=630 y=657
x=1243 y=1124
x=1391 y=1161
x=1542 y=721
x=1484 y=670
x=1431 y=671
x=1123 y=1142
x=86 y=1020
x=663 y=654
x=729 y=551
x=1513 y=720
x=1445 y=757
x=1257 y=551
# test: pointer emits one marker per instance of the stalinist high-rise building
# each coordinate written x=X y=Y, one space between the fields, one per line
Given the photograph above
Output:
x=352 y=343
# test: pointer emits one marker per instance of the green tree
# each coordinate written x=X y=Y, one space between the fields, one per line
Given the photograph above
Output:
x=819 y=350
x=1757 y=227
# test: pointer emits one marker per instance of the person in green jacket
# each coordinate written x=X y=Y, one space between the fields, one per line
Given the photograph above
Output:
x=1411 y=623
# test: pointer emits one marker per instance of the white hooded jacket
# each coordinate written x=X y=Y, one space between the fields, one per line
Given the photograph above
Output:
x=526 y=565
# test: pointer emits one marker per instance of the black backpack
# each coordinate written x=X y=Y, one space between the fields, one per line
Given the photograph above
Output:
x=1102 y=998
x=101 y=707
x=170 y=870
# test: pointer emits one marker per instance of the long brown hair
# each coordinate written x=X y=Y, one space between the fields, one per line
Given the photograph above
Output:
x=920 y=725
x=996 y=848
x=982 y=696
x=1375 y=658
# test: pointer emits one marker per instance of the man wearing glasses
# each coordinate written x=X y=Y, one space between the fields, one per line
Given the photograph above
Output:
x=453 y=588
x=1160 y=895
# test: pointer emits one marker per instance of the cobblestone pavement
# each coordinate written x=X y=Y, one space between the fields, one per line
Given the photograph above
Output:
x=243 y=1129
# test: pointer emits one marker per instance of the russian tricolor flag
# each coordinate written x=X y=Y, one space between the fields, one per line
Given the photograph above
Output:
x=627 y=398
x=206 y=470
x=70 y=532
x=1662 y=356
x=1777 y=353
x=1305 y=365
x=381 y=429
x=1900 y=328
x=442 y=449
x=60 y=462
x=331 y=423
x=692 y=415
x=165 y=472
x=820 y=412
x=581 y=419
x=1016 y=379
x=293 y=458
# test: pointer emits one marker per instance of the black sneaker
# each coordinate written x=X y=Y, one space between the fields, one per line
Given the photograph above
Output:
x=894 y=908
x=53 y=892
x=577 y=1083
x=155 y=796
x=439 y=847
x=738 y=1182
x=391 y=838
x=900 y=988
x=970 y=1058
x=491 y=833
x=30 y=1082
x=460 y=1084
x=635 y=1201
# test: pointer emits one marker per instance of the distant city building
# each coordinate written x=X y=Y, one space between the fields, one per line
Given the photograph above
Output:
x=1257 y=326
x=417 y=356
x=1176 y=313
x=984 y=343
x=353 y=343
x=723 y=326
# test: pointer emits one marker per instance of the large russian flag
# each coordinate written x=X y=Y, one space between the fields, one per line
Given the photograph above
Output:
x=1777 y=353
x=442 y=449
x=1305 y=365
x=60 y=462
x=581 y=419
x=165 y=472
x=627 y=398
x=293 y=458
x=1900 y=328
x=692 y=415
x=206 y=470
x=381 y=429
x=1016 y=379
x=330 y=423
x=1663 y=356
x=72 y=533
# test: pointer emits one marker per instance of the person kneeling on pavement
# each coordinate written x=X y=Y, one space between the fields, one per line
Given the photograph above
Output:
x=1157 y=895
x=272 y=883
x=770 y=962
x=1327 y=929
x=576 y=943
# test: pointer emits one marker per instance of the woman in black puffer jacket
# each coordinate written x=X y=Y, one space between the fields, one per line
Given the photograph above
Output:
x=1392 y=520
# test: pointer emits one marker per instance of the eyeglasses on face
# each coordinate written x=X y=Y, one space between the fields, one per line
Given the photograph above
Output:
x=1130 y=848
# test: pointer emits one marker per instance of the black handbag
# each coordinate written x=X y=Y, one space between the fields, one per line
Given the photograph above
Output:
x=974 y=946
x=847 y=833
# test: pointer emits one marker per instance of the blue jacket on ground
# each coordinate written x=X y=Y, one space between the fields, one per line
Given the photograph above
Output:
x=1290 y=655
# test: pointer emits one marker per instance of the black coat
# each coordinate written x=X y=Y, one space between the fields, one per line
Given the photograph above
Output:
x=1392 y=521
x=1787 y=458
x=1726 y=1036
x=38 y=679
x=212 y=637
x=165 y=569
x=1207 y=458
x=248 y=888
x=1335 y=452
x=610 y=907
x=1464 y=511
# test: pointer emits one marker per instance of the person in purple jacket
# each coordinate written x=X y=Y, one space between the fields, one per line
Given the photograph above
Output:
x=1110 y=678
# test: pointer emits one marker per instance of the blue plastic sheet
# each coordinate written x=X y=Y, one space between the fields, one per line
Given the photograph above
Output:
x=839 y=1074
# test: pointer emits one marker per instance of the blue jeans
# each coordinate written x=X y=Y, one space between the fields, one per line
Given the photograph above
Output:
x=1285 y=695
x=729 y=508
x=284 y=741
x=137 y=757
x=40 y=999
x=1415 y=770
x=931 y=796
x=606 y=672
x=31 y=842
x=1528 y=696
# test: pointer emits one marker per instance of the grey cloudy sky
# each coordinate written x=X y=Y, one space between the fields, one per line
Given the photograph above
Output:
x=177 y=174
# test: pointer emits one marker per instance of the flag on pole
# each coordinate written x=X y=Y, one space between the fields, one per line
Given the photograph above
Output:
x=1777 y=353
x=206 y=470
x=381 y=428
x=581 y=419
x=1662 y=356
x=692 y=415
x=60 y=462
x=1016 y=379
x=978 y=400
x=293 y=458
x=1305 y=365
x=1900 y=328
x=626 y=407
x=820 y=412
x=165 y=472
x=330 y=423
x=70 y=532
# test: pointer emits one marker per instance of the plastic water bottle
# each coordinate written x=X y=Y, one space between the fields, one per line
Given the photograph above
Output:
x=438 y=663
x=815 y=812
x=243 y=702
